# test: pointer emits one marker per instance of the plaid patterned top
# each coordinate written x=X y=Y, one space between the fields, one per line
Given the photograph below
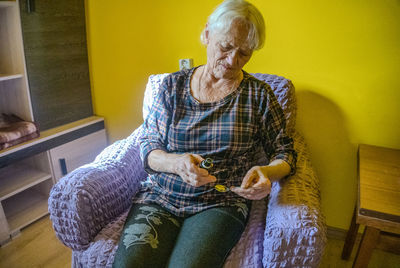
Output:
x=231 y=131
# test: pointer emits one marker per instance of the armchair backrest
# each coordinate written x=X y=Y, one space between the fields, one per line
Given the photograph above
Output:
x=152 y=87
x=285 y=93
x=282 y=88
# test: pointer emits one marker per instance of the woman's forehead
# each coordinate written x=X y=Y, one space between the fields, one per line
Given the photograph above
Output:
x=234 y=38
x=237 y=34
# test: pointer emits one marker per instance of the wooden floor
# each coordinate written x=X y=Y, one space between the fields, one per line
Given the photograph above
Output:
x=37 y=246
x=379 y=259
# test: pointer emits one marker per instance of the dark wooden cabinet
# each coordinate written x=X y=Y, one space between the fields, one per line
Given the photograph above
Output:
x=54 y=38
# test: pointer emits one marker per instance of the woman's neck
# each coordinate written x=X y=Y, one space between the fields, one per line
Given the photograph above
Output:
x=211 y=80
x=205 y=87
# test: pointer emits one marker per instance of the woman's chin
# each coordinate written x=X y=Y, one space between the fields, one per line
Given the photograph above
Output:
x=230 y=74
x=225 y=73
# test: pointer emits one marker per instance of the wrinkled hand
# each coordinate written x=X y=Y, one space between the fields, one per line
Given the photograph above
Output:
x=187 y=167
x=256 y=185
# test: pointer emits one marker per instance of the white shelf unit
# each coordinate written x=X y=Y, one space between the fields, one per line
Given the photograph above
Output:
x=29 y=170
x=24 y=190
x=14 y=89
x=25 y=182
x=27 y=206
x=7 y=3
x=70 y=156
x=5 y=77
x=20 y=176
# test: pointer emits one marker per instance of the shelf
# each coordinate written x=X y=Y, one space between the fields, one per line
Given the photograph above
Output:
x=85 y=126
x=16 y=178
x=25 y=208
x=7 y=4
x=5 y=77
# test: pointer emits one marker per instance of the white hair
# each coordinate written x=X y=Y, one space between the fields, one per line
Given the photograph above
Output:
x=221 y=20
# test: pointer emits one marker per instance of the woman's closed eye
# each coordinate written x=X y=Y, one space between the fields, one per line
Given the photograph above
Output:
x=225 y=48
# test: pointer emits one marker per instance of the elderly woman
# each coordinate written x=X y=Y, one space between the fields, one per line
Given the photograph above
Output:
x=187 y=214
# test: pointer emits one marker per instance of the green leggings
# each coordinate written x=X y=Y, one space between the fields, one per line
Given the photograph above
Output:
x=153 y=237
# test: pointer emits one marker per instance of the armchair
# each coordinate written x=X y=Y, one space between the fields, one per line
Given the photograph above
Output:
x=88 y=207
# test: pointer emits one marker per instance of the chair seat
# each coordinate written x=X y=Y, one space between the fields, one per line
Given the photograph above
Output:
x=248 y=252
x=101 y=250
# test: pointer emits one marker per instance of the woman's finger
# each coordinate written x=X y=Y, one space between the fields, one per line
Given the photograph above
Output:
x=252 y=193
x=201 y=171
x=248 y=178
x=264 y=183
x=196 y=159
x=206 y=179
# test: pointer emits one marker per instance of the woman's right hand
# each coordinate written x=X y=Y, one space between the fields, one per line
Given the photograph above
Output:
x=184 y=165
x=187 y=167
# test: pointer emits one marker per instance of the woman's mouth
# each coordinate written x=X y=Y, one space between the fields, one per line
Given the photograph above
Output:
x=228 y=68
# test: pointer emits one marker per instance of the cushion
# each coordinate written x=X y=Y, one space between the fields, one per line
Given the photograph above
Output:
x=152 y=87
x=285 y=93
x=282 y=88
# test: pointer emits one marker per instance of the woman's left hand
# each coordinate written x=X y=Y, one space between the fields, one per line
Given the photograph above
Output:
x=256 y=185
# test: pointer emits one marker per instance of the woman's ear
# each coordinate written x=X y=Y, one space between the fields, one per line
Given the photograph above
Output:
x=206 y=34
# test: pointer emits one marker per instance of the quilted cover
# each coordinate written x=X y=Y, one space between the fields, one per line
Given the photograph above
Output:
x=88 y=207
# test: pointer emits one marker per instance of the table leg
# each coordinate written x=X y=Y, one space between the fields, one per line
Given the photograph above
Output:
x=368 y=242
x=350 y=237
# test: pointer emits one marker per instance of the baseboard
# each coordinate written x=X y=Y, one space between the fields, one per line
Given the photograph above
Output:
x=336 y=233
x=387 y=241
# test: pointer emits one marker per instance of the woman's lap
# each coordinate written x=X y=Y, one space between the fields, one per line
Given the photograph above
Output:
x=153 y=237
x=207 y=237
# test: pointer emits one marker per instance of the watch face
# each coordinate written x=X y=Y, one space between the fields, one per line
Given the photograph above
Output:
x=207 y=163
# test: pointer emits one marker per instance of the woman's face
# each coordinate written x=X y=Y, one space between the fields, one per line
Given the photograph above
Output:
x=228 y=53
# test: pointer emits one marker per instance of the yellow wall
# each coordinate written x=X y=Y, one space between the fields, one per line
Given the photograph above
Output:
x=342 y=56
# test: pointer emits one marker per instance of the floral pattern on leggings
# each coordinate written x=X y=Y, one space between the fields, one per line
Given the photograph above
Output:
x=242 y=207
x=146 y=233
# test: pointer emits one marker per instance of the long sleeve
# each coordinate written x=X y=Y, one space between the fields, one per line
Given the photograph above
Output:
x=156 y=124
x=277 y=143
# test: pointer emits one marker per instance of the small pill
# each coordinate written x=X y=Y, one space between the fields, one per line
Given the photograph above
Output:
x=221 y=188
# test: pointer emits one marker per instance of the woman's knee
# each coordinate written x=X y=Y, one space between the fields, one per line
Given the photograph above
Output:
x=147 y=238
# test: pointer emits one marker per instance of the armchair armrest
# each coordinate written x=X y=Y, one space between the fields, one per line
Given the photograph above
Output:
x=85 y=200
x=295 y=232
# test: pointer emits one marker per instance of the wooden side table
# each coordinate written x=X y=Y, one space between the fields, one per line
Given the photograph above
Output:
x=378 y=202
